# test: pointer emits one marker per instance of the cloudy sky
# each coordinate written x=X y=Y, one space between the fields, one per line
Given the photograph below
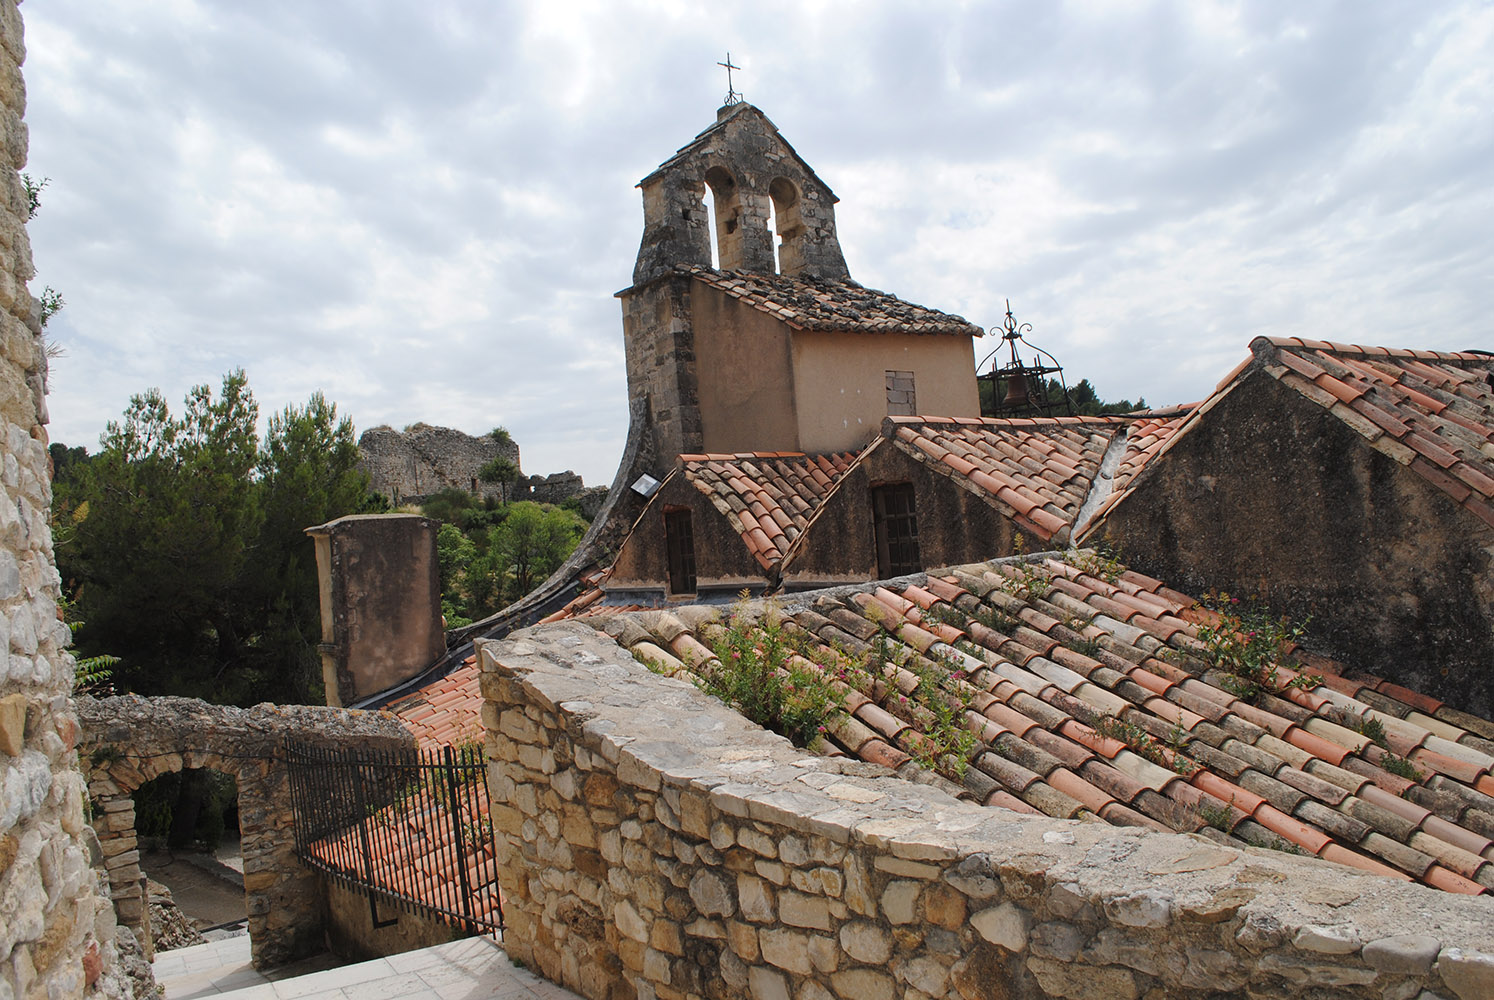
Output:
x=423 y=209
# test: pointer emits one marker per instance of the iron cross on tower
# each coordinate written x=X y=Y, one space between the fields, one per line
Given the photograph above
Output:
x=732 y=97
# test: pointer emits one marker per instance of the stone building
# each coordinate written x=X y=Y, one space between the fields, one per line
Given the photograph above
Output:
x=775 y=348
x=927 y=492
x=57 y=929
x=421 y=460
x=1352 y=484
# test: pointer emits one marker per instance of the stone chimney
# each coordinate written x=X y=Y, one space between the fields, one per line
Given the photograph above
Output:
x=381 y=602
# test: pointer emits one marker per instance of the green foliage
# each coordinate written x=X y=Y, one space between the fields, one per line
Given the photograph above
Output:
x=34 y=189
x=491 y=554
x=181 y=543
x=1400 y=766
x=758 y=679
x=1247 y=645
x=1216 y=816
x=500 y=471
x=501 y=435
x=1103 y=562
x=1162 y=753
x=946 y=742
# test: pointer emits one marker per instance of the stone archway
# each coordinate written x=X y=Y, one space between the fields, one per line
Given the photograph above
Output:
x=129 y=740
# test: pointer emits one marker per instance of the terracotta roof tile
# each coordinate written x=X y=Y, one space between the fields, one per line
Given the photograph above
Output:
x=1438 y=407
x=1064 y=731
x=767 y=496
x=1040 y=470
x=811 y=303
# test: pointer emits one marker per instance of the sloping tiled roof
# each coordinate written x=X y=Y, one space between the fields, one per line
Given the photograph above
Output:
x=1147 y=435
x=444 y=712
x=767 y=496
x=416 y=854
x=1097 y=699
x=810 y=303
x=1430 y=410
x=1041 y=470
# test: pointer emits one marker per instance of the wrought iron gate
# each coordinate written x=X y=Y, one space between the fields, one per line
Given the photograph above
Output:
x=407 y=829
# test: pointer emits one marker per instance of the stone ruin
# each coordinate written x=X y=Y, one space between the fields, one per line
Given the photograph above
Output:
x=410 y=465
x=422 y=460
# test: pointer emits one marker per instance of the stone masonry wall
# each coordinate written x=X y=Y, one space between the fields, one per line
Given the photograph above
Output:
x=129 y=740
x=422 y=460
x=656 y=846
x=56 y=928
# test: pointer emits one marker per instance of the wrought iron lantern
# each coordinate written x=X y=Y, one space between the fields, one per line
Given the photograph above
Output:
x=1017 y=389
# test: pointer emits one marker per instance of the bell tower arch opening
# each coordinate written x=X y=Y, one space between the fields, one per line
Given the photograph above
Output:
x=788 y=223
x=726 y=217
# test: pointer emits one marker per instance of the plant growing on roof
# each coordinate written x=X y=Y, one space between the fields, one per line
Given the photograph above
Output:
x=758 y=676
x=942 y=697
x=1400 y=767
x=1247 y=644
x=1144 y=744
x=1102 y=562
x=1216 y=816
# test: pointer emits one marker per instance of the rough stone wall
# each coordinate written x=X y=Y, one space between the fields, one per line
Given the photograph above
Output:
x=56 y=929
x=1397 y=578
x=421 y=460
x=129 y=740
x=554 y=488
x=656 y=846
x=659 y=345
x=753 y=173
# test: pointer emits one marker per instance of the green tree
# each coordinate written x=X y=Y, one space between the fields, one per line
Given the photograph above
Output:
x=187 y=558
x=502 y=471
x=532 y=542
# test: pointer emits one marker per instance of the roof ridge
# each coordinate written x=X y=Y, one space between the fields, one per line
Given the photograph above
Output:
x=1295 y=343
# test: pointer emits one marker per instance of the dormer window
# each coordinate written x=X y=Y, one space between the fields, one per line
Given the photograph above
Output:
x=679 y=546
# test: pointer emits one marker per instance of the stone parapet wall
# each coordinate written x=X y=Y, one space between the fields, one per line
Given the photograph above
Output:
x=654 y=845
x=57 y=930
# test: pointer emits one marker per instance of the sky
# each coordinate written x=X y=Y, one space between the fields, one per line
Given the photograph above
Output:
x=424 y=209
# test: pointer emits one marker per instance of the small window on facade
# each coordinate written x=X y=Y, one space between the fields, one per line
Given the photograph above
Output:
x=901 y=400
x=897 y=530
x=679 y=544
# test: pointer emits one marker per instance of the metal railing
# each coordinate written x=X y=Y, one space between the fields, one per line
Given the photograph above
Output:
x=408 y=829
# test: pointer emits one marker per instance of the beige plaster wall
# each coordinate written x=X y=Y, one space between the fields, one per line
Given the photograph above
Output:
x=840 y=382
x=744 y=364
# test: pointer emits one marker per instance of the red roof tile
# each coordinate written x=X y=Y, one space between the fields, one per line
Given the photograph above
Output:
x=811 y=303
x=1062 y=731
x=1437 y=405
x=782 y=487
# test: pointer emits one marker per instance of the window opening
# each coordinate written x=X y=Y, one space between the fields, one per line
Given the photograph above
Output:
x=896 y=521
x=772 y=229
x=710 y=213
x=726 y=209
x=902 y=401
x=679 y=544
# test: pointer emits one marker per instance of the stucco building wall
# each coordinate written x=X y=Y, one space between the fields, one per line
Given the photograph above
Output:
x=1297 y=508
x=57 y=929
x=655 y=845
x=840 y=382
x=744 y=358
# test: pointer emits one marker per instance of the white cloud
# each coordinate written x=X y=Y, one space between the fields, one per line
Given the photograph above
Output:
x=424 y=209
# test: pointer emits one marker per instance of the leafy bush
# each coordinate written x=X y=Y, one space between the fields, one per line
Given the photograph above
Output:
x=758 y=678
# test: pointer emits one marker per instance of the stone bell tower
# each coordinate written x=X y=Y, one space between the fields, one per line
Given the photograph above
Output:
x=761 y=190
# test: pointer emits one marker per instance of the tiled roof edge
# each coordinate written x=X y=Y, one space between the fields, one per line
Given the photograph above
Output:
x=1097 y=520
x=955 y=324
x=1294 y=343
x=798 y=543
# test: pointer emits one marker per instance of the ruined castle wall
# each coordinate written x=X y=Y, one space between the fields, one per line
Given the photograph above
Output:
x=655 y=845
x=56 y=928
x=422 y=460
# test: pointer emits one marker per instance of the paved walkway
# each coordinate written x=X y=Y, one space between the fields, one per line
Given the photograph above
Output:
x=461 y=970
